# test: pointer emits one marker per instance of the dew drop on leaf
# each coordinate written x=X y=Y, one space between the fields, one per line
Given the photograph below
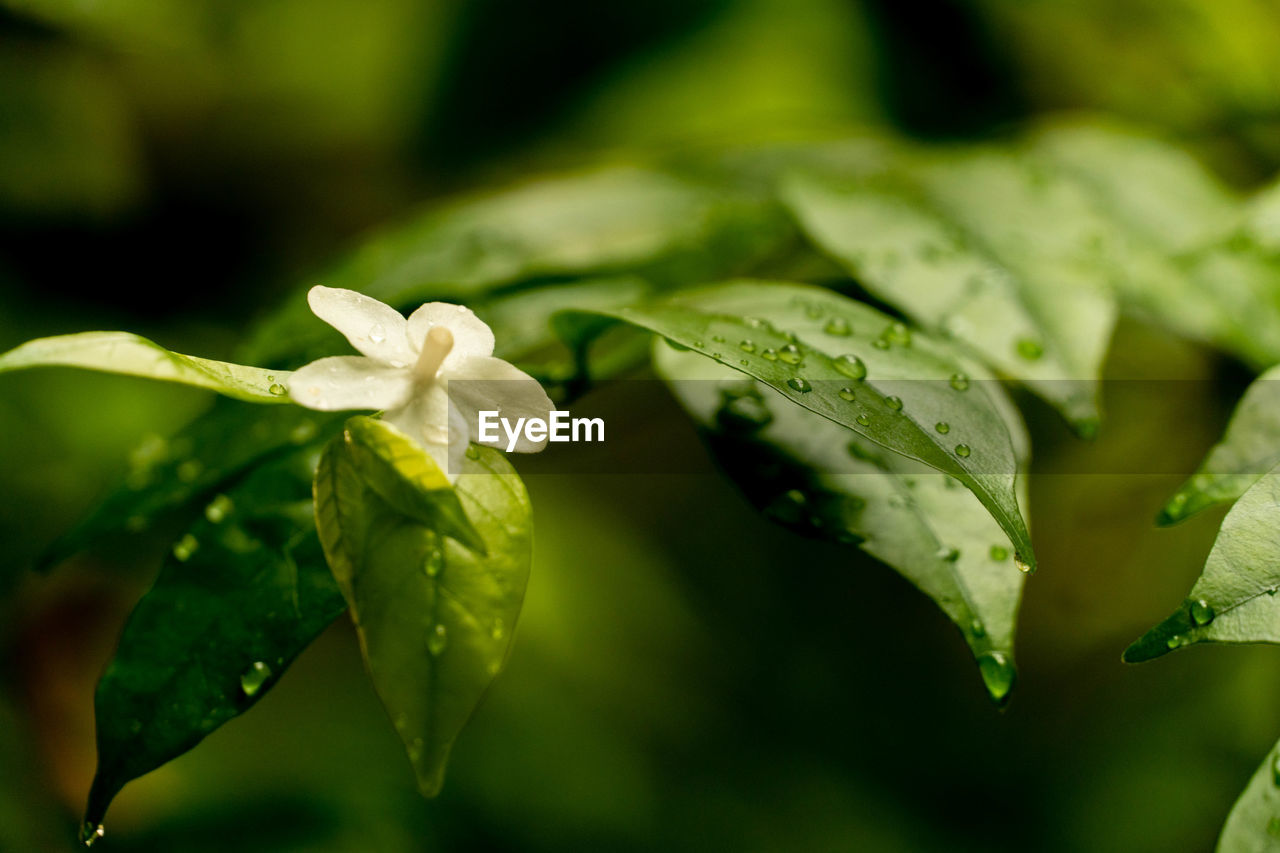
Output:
x=90 y=833
x=252 y=679
x=998 y=673
x=880 y=343
x=962 y=450
x=894 y=403
x=747 y=346
x=438 y=640
x=898 y=333
x=942 y=427
x=1174 y=642
x=277 y=389
x=837 y=327
x=218 y=509
x=959 y=381
x=1021 y=562
x=185 y=547
x=947 y=553
x=770 y=354
x=377 y=333
x=790 y=354
x=472 y=452
x=863 y=420
x=1029 y=349
x=977 y=629
x=797 y=383
x=846 y=394
x=1201 y=612
x=851 y=366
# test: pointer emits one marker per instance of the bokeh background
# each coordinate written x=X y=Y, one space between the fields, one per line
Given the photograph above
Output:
x=685 y=677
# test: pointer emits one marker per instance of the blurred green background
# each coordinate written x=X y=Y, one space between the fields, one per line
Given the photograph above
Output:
x=685 y=676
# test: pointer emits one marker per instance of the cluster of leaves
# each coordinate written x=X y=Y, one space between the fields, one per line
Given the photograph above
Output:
x=996 y=263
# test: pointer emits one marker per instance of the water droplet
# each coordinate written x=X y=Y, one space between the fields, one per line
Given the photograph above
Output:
x=999 y=553
x=942 y=427
x=959 y=381
x=838 y=327
x=756 y=322
x=434 y=564
x=190 y=470
x=743 y=362
x=218 y=509
x=718 y=338
x=947 y=553
x=747 y=346
x=1022 y=564
x=90 y=833
x=1173 y=642
x=438 y=640
x=185 y=547
x=1029 y=349
x=377 y=333
x=962 y=450
x=254 y=677
x=898 y=333
x=770 y=354
x=863 y=420
x=797 y=383
x=790 y=354
x=880 y=343
x=977 y=628
x=847 y=394
x=851 y=366
x=1201 y=612
x=472 y=452
x=277 y=389
x=894 y=403
x=698 y=344
x=998 y=673
x=813 y=310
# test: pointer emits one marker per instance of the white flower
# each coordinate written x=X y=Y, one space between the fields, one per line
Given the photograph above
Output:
x=407 y=368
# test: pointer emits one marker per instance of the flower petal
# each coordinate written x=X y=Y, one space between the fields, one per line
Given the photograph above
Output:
x=350 y=382
x=375 y=329
x=480 y=383
x=438 y=426
x=471 y=336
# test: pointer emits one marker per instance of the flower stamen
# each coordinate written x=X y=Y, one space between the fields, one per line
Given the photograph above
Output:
x=435 y=347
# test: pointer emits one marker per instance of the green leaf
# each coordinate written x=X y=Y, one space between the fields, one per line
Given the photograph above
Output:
x=978 y=246
x=121 y=352
x=1254 y=823
x=1175 y=254
x=435 y=618
x=819 y=477
x=598 y=223
x=1234 y=600
x=1152 y=188
x=912 y=382
x=1249 y=448
x=408 y=480
x=168 y=475
x=245 y=591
